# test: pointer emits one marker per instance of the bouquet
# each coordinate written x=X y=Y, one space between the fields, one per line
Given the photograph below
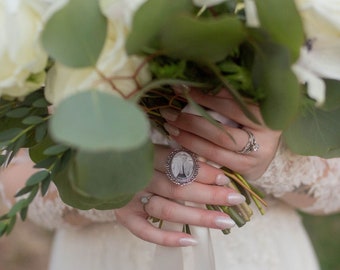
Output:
x=82 y=82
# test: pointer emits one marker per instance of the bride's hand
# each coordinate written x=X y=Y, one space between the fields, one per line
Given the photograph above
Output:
x=164 y=199
x=207 y=140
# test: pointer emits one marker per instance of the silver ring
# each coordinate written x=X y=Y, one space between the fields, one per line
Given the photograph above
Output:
x=145 y=200
x=182 y=167
x=251 y=146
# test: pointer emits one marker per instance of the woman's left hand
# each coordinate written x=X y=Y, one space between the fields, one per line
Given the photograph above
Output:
x=213 y=143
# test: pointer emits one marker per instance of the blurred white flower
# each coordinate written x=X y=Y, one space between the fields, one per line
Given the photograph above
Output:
x=22 y=58
x=320 y=58
x=252 y=19
x=121 y=10
x=207 y=3
x=113 y=63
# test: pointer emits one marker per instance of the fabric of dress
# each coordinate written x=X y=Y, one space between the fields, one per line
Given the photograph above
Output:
x=274 y=241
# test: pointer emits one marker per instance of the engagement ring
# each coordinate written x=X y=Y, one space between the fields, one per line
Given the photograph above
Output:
x=251 y=146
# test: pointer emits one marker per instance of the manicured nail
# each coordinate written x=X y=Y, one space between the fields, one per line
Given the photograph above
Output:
x=169 y=114
x=185 y=242
x=235 y=198
x=171 y=129
x=224 y=222
x=181 y=89
x=222 y=180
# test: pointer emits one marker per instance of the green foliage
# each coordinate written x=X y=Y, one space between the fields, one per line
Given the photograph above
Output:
x=272 y=73
x=162 y=11
x=97 y=121
x=315 y=132
x=275 y=18
x=202 y=39
x=75 y=35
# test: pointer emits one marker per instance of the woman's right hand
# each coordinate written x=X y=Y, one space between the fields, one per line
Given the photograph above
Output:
x=165 y=200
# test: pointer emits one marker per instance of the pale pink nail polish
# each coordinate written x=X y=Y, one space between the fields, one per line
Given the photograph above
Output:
x=171 y=129
x=185 y=242
x=235 y=198
x=222 y=180
x=224 y=223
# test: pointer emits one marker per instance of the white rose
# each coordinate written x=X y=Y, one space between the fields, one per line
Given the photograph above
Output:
x=320 y=58
x=22 y=58
x=207 y=3
x=113 y=63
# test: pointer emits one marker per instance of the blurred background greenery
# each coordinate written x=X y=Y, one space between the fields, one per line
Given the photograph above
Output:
x=324 y=232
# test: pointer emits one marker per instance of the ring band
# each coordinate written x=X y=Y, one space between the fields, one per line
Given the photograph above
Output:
x=182 y=167
x=251 y=146
x=145 y=200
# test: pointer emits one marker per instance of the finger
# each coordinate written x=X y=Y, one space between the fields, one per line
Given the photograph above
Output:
x=233 y=139
x=206 y=174
x=165 y=209
x=227 y=107
x=213 y=152
x=134 y=219
x=142 y=228
x=195 y=192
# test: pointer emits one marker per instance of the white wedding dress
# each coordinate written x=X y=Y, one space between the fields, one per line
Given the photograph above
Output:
x=274 y=241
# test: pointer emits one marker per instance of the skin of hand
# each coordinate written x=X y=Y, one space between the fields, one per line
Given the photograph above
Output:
x=215 y=143
x=167 y=204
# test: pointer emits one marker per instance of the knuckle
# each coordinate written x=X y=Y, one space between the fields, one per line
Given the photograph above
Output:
x=167 y=213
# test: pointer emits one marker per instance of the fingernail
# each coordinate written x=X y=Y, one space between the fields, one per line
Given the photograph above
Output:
x=222 y=180
x=224 y=222
x=185 y=242
x=169 y=114
x=181 y=89
x=171 y=129
x=235 y=198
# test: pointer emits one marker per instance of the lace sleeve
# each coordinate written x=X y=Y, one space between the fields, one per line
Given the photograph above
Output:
x=54 y=213
x=320 y=178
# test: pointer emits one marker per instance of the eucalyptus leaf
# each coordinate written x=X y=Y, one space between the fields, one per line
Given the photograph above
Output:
x=282 y=21
x=40 y=132
x=9 y=134
x=273 y=75
x=98 y=121
x=45 y=186
x=32 y=120
x=19 y=112
x=11 y=224
x=37 y=178
x=55 y=150
x=70 y=196
x=315 y=132
x=17 y=207
x=162 y=11
x=40 y=103
x=24 y=190
x=75 y=35
x=202 y=39
x=110 y=174
x=23 y=213
x=332 y=95
x=37 y=152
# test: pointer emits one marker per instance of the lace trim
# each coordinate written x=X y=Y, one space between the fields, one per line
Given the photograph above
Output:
x=98 y=215
x=289 y=171
x=50 y=213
